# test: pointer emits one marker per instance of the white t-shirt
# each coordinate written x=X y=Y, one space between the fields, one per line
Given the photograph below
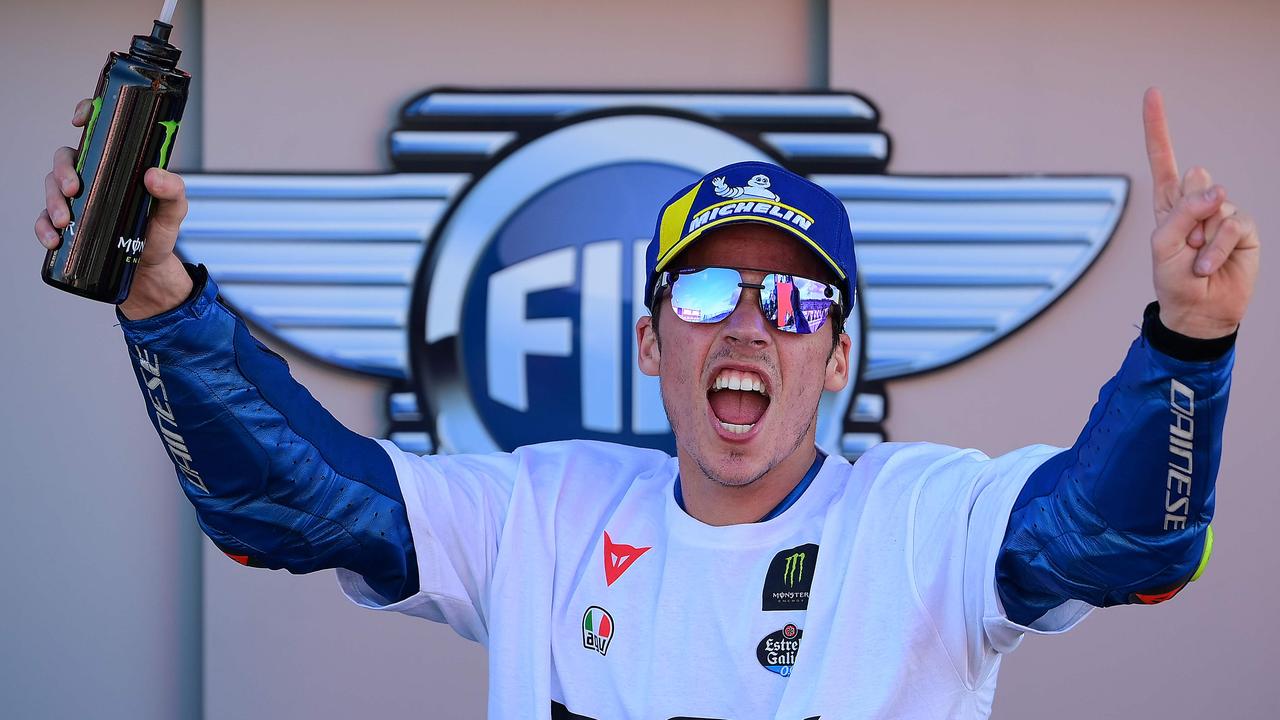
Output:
x=873 y=596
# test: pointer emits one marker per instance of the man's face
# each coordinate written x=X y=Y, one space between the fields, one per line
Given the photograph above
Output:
x=793 y=369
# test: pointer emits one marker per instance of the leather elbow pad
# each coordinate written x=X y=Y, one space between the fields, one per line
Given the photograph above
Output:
x=275 y=480
x=1123 y=515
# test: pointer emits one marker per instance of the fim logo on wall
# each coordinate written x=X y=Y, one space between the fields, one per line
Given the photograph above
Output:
x=494 y=277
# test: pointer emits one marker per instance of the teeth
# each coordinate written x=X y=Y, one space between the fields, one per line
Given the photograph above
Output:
x=736 y=429
x=738 y=380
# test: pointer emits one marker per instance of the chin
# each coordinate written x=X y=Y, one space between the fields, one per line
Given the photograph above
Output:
x=733 y=467
x=740 y=465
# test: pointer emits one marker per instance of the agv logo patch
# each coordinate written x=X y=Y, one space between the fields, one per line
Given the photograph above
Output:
x=597 y=629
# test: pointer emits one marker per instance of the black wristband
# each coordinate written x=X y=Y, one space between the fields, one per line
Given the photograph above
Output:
x=1179 y=346
x=199 y=278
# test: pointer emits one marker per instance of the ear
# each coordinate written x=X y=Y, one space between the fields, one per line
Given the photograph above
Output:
x=650 y=355
x=838 y=365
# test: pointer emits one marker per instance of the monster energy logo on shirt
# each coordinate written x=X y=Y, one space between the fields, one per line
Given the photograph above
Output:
x=794 y=570
x=788 y=579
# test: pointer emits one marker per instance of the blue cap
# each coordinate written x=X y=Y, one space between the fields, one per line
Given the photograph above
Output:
x=755 y=192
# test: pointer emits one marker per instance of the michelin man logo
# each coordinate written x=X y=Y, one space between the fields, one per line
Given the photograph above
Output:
x=493 y=278
x=757 y=187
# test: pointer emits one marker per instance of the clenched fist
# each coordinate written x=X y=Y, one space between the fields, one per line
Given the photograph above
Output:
x=160 y=283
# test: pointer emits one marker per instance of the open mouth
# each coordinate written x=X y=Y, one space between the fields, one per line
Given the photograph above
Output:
x=738 y=400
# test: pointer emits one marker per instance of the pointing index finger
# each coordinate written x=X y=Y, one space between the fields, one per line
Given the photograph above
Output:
x=1164 y=168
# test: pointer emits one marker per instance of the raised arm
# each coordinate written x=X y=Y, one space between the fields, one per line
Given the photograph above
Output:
x=1123 y=515
x=276 y=481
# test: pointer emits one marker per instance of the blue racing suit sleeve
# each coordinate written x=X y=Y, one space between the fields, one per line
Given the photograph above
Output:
x=276 y=481
x=1123 y=515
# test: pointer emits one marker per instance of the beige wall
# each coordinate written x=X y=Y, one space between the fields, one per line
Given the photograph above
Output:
x=349 y=66
x=984 y=86
x=100 y=606
x=1006 y=86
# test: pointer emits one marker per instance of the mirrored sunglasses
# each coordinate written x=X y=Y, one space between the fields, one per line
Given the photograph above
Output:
x=789 y=302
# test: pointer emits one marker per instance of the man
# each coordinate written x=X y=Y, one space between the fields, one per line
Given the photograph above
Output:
x=750 y=576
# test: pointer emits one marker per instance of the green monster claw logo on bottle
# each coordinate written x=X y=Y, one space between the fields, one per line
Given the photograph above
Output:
x=88 y=132
x=170 y=128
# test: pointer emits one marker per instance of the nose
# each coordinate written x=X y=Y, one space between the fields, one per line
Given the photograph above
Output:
x=747 y=325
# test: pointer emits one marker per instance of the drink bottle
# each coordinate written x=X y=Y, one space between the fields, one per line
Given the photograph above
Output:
x=137 y=108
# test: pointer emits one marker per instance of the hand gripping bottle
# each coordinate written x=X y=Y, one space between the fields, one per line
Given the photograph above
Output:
x=136 y=111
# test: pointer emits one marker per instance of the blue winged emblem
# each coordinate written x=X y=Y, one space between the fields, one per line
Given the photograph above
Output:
x=948 y=264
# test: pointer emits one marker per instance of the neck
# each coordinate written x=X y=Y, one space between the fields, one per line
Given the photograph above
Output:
x=717 y=504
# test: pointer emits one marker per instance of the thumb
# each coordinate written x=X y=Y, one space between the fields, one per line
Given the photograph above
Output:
x=168 y=209
x=1187 y=214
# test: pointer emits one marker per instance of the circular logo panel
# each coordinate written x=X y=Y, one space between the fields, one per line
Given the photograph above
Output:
x=525 y=312
x=554 y=351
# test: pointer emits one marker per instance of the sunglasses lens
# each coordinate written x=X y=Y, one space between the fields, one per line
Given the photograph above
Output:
x=796 y=304
x=705 y=296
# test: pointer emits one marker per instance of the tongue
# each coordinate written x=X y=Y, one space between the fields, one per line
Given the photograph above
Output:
x=738 y=407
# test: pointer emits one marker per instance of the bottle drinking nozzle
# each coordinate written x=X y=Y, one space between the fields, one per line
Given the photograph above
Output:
x=164 y=24
x=166 y=13
x=137 y=108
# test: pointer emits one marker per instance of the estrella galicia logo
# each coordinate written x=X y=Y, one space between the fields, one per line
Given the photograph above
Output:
x=789 y=578
x=777 y=651
x=597 y=629
x=494 y=277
